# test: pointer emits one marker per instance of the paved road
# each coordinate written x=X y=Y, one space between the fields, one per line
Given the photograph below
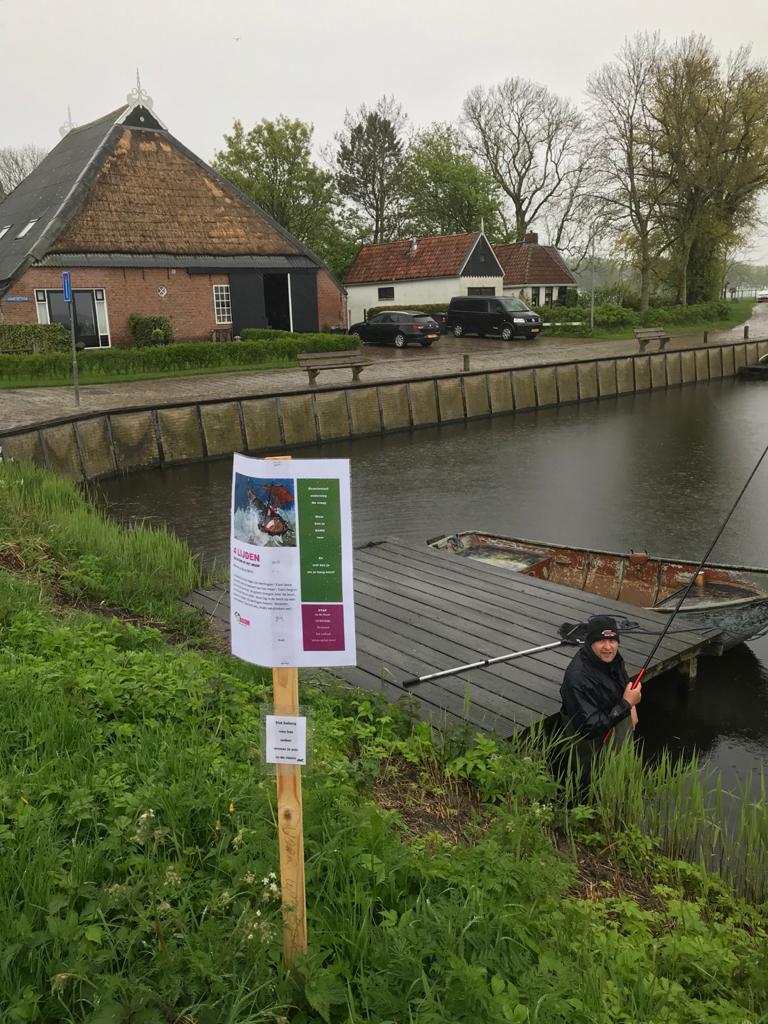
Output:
x=23 y=406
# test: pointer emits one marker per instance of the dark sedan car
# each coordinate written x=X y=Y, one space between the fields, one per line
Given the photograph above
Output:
x=397 y=327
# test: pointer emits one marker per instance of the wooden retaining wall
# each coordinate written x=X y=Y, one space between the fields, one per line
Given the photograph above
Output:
x=97 y=445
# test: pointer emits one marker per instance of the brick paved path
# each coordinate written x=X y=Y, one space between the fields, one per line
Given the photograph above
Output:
x=24 y=406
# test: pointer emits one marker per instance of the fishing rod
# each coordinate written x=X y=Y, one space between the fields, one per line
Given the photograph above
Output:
x=489 y=661
x=686 y=591
x=569 y=632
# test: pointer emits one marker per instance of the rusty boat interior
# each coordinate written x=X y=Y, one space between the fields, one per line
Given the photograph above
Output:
x=636 y=578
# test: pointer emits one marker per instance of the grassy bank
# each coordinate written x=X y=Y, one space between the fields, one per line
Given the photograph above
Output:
x=447 y=880
x=260 y=350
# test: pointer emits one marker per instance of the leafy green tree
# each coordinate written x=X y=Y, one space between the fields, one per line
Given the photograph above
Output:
x=341 y=241
x=370 y=163
x=272 y=164
x=711 y=134
x=445 y=191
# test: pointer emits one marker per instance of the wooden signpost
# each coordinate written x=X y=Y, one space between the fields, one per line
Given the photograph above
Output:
x=290 y=827
x=291 y=606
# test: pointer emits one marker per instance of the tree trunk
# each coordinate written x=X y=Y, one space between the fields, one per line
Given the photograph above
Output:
x=645 y=275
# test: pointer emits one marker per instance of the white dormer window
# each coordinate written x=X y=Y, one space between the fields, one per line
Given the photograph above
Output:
x=27 y=227
x=5 y=230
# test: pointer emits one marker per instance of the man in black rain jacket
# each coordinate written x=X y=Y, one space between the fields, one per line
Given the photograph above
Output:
x=599 y=703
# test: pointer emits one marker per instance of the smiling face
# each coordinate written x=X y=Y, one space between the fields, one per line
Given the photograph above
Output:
x=606 y=648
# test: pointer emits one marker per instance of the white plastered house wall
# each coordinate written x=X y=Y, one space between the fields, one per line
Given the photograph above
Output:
x=437 y=290
x=525 y=291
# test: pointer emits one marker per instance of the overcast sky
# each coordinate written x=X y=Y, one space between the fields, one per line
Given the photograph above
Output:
x=205 y=64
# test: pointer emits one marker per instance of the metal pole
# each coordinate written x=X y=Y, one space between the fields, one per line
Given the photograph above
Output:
x=592 y=301
x=75 y=379
x=482 y=664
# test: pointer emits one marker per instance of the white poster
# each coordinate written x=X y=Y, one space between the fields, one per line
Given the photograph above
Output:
x=291 y=590
x=286 y=739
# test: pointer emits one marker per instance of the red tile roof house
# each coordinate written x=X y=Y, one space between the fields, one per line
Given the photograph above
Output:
x=534 y=273
x=422 y=270
x=145 y=226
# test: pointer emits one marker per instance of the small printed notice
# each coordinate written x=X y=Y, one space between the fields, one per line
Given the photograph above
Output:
x=286 y=739
x=291 y=590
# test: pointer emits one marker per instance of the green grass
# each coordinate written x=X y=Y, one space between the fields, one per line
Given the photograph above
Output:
x=118 y=378
x=50 y=530
x=260 y=349
x=138 y=853
x=739 y=312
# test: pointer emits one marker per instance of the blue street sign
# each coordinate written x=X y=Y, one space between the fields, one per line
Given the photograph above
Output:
x=66 y=284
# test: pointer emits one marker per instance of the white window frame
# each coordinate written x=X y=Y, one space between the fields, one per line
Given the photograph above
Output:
x=222 y=303
x=100 y=306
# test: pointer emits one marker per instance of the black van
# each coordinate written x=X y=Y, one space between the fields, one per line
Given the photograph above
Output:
x=475 y=314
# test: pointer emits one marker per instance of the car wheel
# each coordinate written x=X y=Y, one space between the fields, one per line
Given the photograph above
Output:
x=458 y=330
x=506 y=332
x=356 y=334
x=426 y=344
x=399 y=340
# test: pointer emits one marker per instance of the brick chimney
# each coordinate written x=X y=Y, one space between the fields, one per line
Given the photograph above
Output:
x=532 y=238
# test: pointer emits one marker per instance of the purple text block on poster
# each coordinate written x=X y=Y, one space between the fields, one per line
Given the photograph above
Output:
x=322 y=627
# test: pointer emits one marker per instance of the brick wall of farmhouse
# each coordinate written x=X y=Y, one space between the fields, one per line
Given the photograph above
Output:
x=188 y=301
x=331 y=302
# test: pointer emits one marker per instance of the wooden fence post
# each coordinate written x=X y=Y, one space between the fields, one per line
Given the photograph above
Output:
x=290 y=827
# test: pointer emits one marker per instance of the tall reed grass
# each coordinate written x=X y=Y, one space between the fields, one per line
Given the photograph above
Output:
x=682 y=806
x=53 y=529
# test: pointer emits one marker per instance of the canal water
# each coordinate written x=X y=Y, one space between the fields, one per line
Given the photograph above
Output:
x=655 y=472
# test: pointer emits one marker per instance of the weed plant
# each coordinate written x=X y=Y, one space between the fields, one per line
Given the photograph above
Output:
x=138 y=852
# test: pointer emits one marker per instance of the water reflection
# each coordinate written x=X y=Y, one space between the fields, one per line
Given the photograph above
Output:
x=656 y=472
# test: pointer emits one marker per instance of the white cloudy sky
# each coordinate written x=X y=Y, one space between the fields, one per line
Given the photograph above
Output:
x=206 y=64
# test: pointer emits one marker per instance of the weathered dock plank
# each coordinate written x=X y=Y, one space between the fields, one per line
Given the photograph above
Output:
x=420 y=611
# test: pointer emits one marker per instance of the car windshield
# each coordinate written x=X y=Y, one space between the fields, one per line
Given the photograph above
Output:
x=514 y=305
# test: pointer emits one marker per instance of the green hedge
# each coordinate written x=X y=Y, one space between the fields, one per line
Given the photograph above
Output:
x=610 y=316
x=39 y=337
x=432 y=308
x=280 y=345
x=143 y=329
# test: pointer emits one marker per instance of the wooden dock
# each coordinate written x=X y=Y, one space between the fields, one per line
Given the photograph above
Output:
x=419 y=611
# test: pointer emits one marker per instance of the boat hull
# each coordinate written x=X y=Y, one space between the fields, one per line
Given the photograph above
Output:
x=731 y=599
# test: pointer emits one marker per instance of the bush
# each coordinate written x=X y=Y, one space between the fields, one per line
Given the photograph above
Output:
x=672 y=316
x=143 y=329
x=432 y=308
x=38 y=337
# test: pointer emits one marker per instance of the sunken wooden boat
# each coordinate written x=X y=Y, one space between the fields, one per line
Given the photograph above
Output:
x=731 y=599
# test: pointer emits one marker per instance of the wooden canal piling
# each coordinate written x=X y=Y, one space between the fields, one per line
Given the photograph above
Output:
x=419 y=611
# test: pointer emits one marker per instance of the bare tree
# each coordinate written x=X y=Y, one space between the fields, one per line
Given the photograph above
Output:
x=16 y=162
x=528 y=140
x=623 y=132
x=577 y=221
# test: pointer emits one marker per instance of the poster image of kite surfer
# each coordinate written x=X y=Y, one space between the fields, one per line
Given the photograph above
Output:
x=265 y=511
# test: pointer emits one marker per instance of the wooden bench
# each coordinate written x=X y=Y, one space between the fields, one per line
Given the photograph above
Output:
x=314 y=362
x=646 y=334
